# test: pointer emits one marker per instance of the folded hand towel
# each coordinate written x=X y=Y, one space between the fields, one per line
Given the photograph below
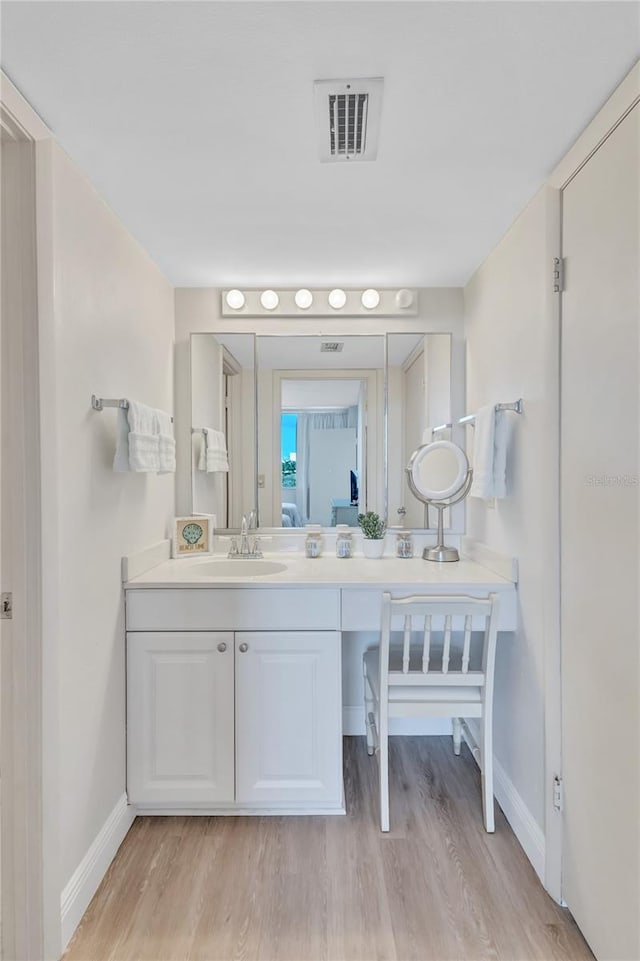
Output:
x=144 y=440
x=502 y=430
x=121 y=460
x=144 y=450
x=489 y=454
x=166 y=443
x=217 y=459
x=213 y=451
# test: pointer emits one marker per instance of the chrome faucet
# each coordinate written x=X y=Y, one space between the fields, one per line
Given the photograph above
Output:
x=247 y=549
x=244 y=538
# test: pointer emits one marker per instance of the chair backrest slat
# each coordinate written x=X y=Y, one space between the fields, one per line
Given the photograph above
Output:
x=467 y=643
x=406 y=647
x=447 y=644
x=426 y=643
x=445 y=609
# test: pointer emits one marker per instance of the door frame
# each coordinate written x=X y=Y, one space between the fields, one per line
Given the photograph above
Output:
x=28 y=822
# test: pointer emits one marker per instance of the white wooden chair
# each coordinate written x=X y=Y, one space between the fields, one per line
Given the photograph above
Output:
x=435 y=678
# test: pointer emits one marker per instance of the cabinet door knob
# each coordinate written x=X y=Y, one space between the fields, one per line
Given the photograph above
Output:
x=222 y=646
x=243 y=648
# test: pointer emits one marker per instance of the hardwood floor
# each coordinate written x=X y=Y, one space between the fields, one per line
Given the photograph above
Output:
x=334 y=889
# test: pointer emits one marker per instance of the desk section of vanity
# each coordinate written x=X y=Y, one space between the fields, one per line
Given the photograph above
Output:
x=234 y=685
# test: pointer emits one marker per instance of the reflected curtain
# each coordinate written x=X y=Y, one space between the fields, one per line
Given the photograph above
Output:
x=316 y=420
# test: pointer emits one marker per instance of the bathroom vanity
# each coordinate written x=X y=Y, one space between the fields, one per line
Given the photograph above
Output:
x=234 y=688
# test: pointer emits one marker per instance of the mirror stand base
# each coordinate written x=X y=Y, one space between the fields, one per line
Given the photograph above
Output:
x=441 y=554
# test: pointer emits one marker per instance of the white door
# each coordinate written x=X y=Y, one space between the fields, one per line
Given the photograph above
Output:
x=600 y=547
x=180 y=718
x=332 y=455
x=288 y=718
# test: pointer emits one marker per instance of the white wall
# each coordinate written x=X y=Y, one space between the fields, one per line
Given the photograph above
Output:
x=113 y=325
x=512 y=351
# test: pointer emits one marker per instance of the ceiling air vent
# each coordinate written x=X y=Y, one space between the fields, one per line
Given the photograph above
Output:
x=331 y=347
x=348 y=118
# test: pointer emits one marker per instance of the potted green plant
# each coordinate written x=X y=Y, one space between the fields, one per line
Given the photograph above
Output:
x=373 y=530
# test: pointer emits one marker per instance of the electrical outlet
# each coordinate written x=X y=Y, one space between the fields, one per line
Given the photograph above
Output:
x=261 y=480
x=491 y=504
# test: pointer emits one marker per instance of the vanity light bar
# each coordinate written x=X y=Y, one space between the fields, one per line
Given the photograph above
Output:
x=319 y=302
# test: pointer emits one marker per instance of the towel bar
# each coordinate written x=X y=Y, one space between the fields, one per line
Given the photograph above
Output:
x=99 y=403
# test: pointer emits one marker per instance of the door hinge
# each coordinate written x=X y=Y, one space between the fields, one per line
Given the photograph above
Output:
x=558 y=793
x=558 y=275
x=6 y=606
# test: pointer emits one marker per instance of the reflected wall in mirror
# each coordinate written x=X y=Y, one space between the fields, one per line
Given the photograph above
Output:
x=320 y=429
x=223 y=426
x=419 y=398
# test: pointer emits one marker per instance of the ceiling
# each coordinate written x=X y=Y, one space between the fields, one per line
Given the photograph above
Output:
x=309 y=394
x=195 y=122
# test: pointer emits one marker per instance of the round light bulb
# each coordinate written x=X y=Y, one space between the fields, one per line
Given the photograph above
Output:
x=404 y=298
x=269 y=299
x=370 y=298
x=337 y=298
x=303 y=299
x=235 y=299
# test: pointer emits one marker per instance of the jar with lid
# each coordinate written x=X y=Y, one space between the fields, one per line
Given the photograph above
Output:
x=313 y=541
x=344 y=541
x=404 y=544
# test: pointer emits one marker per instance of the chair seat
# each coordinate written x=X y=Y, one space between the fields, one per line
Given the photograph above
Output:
x=463 y=693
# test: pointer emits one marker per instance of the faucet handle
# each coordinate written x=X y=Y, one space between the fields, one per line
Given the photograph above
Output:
x=255 y=548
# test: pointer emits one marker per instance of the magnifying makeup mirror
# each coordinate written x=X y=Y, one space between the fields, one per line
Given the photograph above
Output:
x=439 y=475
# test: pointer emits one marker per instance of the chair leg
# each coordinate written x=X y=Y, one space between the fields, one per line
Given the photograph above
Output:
x=368 y=712
x=383 y=758
x=456 y=724
x=486 y=750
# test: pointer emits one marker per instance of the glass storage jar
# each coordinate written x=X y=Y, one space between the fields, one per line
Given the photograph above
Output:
x=313 y=541
x=344 y=541
x=404 y=544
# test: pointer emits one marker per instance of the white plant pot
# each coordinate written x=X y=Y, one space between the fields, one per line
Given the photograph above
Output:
x=373 y=548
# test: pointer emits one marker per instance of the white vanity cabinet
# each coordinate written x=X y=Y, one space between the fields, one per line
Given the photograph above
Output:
x=236 y=705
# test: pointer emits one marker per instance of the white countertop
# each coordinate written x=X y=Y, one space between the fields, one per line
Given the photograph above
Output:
x=327 y=571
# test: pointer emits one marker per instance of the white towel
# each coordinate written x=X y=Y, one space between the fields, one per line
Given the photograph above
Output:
x=213 y=451
x=144 y=450
x=489 y=454
x=166 y=443
x=144 y=440
x=121 y=460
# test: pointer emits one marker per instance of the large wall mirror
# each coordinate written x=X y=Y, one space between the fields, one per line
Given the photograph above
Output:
x=419 y=399
x=316 y=429
x=320 y=429
x=223 y=477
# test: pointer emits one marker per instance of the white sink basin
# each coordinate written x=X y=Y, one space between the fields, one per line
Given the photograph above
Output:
x=240 y=568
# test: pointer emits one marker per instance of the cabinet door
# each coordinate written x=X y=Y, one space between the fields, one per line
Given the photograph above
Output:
x=288 y=719
x=180 y=733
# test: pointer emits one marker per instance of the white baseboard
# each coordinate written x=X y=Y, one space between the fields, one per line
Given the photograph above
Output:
x=353 y=724
x=524 y=825
x=86 y=878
